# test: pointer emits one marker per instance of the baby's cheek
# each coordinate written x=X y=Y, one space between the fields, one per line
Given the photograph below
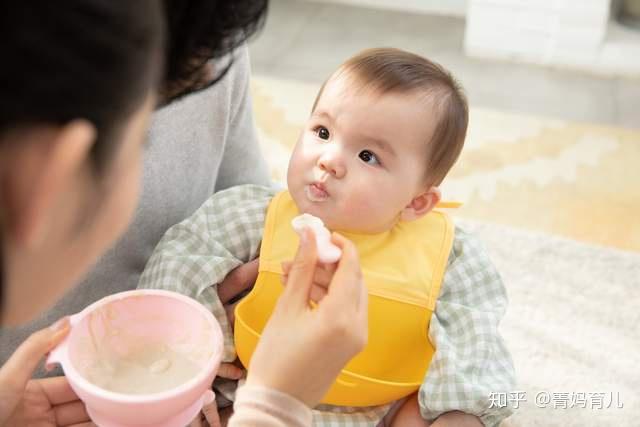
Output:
x=295 y=172
x=363 y=208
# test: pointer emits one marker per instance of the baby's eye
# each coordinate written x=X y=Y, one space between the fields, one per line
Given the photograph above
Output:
x=323 y=133
x=368 y=157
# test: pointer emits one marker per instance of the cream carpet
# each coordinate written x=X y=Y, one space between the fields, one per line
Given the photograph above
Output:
x=557 y=204
x=572 y=325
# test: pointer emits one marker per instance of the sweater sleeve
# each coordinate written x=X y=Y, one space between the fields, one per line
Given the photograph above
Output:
x=471 y=361
x=262 y=407
x=198 y=253
x=242 y=159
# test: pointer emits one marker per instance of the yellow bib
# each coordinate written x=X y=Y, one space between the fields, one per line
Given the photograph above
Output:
x=403 y=270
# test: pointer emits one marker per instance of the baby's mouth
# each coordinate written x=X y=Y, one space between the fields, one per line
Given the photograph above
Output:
x=316 y=192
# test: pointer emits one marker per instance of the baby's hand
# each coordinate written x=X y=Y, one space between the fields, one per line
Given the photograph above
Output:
x=235 y=285
x=208 y=417
x=327 y=252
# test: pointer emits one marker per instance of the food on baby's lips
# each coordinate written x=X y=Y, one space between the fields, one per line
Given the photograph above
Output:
x=328 y=253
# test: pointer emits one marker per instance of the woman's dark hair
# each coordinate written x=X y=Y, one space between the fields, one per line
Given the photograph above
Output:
x=90 y=59
x=199 y=31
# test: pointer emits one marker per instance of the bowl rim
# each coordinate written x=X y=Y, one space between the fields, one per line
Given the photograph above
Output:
x=90 y=388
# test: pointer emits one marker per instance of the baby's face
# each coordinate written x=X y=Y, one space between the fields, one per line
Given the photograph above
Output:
x=361 y=157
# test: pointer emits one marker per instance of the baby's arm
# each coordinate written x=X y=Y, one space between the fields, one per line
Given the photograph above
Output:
x=198 y=253
x=471 y=360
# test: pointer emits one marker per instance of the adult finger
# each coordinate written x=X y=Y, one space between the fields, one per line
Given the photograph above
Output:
x=17 y=371
x=89 y=424
x=239 y=280
x=322 y=275
x=230 y=371
x=317 y=293
x=347 y=283
x=362 y=314
x=321 y=279
x=348 y=295
x=57 y=390
x=71 y=413
x=286 y=267
x=300 y=277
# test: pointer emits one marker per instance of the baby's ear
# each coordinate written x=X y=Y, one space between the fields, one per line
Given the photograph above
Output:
x=421 y=204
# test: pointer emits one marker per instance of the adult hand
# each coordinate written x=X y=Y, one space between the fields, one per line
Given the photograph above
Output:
x=45 y=402
x=303 y=348
x=238 y=281
x=321 y=279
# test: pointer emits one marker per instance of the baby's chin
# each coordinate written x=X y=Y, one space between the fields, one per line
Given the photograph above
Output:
x=332 y=223
x=353 y=228
x=315 y=209
x=320 y=210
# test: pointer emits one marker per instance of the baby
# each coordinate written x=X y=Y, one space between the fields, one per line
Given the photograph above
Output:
x=384 y=131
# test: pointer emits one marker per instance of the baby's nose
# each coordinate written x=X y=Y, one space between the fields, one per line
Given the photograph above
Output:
x=332 y=164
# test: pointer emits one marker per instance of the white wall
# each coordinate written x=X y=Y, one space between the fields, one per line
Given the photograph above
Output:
x=439 y=7
x=577 y=34
x=567 y=33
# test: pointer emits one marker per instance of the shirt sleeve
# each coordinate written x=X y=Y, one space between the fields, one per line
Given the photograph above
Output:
x=471 y=361
x=262 y=407
x=198 y=253
x=242 y=159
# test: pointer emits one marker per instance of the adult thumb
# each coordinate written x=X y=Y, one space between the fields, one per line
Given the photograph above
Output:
x=17 y=371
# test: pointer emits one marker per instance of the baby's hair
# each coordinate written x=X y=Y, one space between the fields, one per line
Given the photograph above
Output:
x=389 y=70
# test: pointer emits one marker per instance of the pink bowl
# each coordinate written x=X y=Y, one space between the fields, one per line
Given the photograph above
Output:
x=137 y=318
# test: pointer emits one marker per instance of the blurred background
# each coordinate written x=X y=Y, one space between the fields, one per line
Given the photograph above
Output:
x=567 y=59
x=549 y=176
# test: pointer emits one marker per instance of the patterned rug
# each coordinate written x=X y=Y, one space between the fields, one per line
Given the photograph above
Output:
x=557 y=205
x=575 y=180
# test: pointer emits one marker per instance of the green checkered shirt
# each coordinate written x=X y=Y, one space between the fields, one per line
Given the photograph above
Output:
x=471 y=360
